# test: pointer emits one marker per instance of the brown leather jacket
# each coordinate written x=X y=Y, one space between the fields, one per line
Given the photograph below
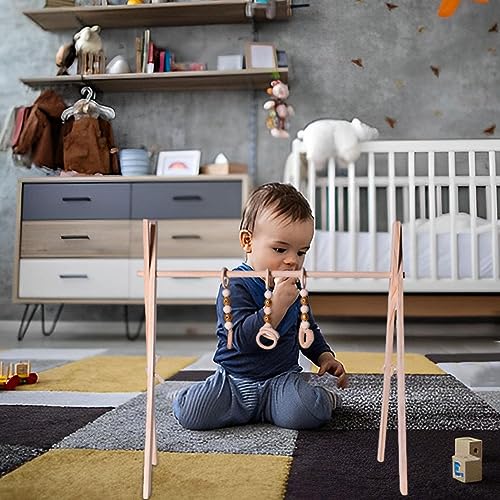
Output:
x=41 y=133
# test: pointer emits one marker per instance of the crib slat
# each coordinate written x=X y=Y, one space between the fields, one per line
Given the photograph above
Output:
x=391 y=192
x=432 y=215
x=413 y=216
x=331 y=213
x=351 y=213
x=372 y=210
x=311 y=195
x=453 y=194
x=494 y=216
x=473 y=216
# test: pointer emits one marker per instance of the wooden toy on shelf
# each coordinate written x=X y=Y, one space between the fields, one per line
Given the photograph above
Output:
x=467 y=463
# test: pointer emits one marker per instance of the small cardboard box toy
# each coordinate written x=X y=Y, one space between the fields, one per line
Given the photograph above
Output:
x=469 y=446
x=467 y=469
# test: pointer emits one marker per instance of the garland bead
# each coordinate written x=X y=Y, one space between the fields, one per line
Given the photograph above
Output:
x=305 y=324
x=304 y=309
x=228 y=325
x=226 y=301
x=226 y=292
x=304 y=317
x=303 y=292
x=267 y=311
x=268 y=294
x=227 y=309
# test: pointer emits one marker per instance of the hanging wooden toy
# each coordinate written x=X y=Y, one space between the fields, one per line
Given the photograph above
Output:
x=267 y=331
x=306 y=335
x=226 y=300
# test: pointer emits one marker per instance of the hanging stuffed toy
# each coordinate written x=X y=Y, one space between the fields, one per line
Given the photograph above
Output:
x=279 y=110
x=448 y=7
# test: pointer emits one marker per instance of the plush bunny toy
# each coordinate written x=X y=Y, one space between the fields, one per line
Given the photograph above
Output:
x=338 y=139
x=279 y=110
x=87 y=40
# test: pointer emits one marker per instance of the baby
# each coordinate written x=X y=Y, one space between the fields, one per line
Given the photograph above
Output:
x=253 y=384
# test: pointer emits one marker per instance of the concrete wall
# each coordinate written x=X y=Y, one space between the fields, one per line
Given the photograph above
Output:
x=397 y=48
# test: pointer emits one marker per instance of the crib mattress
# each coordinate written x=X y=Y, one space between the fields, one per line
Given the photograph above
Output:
x=324 y=255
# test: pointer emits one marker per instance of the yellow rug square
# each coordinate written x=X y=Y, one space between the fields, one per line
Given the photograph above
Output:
x=105 y=374
x=93 y=474
x=373 y=362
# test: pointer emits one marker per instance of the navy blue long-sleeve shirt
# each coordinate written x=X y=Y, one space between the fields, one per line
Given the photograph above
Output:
x=246 y=359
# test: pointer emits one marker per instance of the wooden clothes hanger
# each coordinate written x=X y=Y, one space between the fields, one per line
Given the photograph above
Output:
x=88 y=107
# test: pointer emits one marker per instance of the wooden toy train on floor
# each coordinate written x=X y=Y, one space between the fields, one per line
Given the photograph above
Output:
x=12 y=375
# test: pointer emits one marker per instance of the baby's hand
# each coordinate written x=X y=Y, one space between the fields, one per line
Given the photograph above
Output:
x=285 y=292
x=328 y=364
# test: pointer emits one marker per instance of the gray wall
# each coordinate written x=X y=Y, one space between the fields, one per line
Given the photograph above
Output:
x=321 y=41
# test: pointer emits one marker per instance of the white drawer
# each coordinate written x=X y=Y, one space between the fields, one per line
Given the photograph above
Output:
x=73 y=278
x=181 y=288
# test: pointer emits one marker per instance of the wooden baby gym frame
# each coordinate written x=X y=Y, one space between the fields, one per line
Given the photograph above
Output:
x=395 y=317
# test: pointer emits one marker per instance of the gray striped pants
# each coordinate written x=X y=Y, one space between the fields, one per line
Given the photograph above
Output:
x=222 y=400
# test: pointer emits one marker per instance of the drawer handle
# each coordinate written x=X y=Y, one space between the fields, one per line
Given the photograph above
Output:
x=75 y=237
x=186 y=237
x=74 y=276
x=187 y=197
x=77 y=198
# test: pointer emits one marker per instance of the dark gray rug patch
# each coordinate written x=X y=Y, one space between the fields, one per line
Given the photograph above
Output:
x=123 y=428
x=13 y=456
x=433 y=402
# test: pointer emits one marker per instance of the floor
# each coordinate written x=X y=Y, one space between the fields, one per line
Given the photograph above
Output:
x=421 y=337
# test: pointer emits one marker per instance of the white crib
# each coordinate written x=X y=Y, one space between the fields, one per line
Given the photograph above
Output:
x=445 y=192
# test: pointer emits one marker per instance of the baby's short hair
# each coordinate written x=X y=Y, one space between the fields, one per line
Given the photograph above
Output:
x=283 y=199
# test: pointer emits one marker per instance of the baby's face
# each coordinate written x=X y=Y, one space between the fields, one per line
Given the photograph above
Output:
x=278 y=244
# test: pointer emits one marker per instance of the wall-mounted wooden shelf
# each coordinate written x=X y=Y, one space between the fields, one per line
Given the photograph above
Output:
x=244 y=79
x=167 y=14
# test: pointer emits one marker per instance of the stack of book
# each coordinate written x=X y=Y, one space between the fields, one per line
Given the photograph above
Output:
x=149 y=58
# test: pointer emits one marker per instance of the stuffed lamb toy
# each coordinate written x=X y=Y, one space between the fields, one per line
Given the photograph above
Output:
x=338 y=139
x=87 y=40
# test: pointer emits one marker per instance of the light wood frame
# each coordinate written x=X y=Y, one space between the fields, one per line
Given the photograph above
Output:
x=251 y=57
x=395 y=320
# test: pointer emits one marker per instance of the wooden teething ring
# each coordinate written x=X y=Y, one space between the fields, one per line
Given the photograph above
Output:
x=267 y=331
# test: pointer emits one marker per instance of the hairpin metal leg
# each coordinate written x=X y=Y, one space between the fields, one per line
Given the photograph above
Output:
x=25 y=323
x=49 y=332
x=133 y=336
x=29 y=312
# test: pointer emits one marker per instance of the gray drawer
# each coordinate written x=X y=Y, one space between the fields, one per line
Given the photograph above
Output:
x=187 y=200
x=76 y=201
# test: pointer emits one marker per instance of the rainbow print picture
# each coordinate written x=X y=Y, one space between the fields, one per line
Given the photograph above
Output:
x=178 y=163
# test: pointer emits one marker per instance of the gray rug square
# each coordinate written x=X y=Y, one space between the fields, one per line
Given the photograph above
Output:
x=124 y=429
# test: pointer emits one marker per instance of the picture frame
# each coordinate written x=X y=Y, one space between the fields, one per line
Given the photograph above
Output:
x=260 y=55
x=229 y=62
x=178 y=163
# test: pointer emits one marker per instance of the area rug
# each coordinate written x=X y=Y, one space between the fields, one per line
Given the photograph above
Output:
x=91 y=447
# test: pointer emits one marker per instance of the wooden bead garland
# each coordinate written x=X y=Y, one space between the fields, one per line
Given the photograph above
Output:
x=226 y=308
x=306 y=335
x=267 y=330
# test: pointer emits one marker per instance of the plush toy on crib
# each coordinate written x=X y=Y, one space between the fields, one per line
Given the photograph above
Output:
x=338 y=139
x=279 y=110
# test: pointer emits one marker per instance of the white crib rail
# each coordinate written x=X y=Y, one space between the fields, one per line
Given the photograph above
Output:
x=415 y=182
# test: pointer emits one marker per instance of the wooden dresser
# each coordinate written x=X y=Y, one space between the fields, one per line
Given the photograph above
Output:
x=79 y=240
